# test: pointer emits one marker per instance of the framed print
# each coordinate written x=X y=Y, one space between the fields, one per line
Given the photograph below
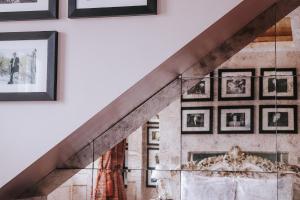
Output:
x=151 y=181
x=235 y=119
x=279 y=83
x=28 y=9
x=278 y=119
x=236 y=84
x=197 y=120
x=152 y=157
x=199 y=89
x=153 y=136
x=28 y=66
x=96 y=8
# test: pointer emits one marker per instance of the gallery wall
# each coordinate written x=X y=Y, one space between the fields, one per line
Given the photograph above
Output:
x=99 y=58
x=257 y=56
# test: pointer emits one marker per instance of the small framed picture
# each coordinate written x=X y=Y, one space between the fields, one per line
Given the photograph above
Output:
x=28 y=66
x=28 y=9
x=197 y=120
x=278 y=119
x=236 y=84
x=150 y=180
x=96 y=8
x=279 y=83
x=153 y=136
x=199 y=89
x=235 y=119
x=152 y=157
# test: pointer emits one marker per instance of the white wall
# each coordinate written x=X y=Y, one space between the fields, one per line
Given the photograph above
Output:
x=99 y=59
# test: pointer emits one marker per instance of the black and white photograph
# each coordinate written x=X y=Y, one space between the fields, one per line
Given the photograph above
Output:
x=96 y=8
x=28 y=66
x=235 y=119
x=279 y=83
x=278 y=119
x=197 y=120
x=28 y=9
x=152 y=157
x=151 y=181
x=196 y=89
x=236 y=84
x=153 y=135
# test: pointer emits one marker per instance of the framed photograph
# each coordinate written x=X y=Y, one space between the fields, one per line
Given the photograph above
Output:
x=152 y=157
x=150 y=180
x=236 y=84
x=278 y=119
x=235 y=119
x=153 y=135
x=197 y=120
x=96 y=8
x=279 y=83
x=28 y=9
x=199 y=89
x=28 y=65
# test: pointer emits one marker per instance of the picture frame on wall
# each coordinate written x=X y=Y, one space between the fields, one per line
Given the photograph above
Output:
x=279 y=83
x=198 y=89
x=28 y=9
x=153 y=135
x=152 y=157
x=28 y=66
x=151 y=182
x=96 y=8
x=278 y=119
x=236 y=84
x=235 y=119
x=197 y=120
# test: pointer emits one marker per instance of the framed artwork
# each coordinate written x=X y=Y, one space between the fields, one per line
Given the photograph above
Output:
x=28 y=65
x=278 y=119
x=28 y=9
x=197 y=120
x=96 y=8
x=150 y=180
x=199 y=89
x=153 y=135
x=236 y=84
x=152 y=157
x=235 y=119
x=279 y=83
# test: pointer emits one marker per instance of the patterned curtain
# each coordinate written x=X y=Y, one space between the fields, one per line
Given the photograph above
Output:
x=109 y=185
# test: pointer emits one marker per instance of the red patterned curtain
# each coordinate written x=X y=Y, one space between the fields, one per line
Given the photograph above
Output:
x=109 y=185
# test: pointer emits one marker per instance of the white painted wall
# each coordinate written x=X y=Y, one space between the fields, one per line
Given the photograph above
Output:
x=99 y=59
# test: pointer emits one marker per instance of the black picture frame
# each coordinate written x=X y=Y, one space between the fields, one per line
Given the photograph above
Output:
x=250 y=131
x=52 y=42
x=148 y=157
x=211 y=116
x=149 y=170
x=148 y=136
x=275 y=70
x=51 y=13
x=211 y=86
x=220 y=85
x=277 y=131
x=150 y=8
